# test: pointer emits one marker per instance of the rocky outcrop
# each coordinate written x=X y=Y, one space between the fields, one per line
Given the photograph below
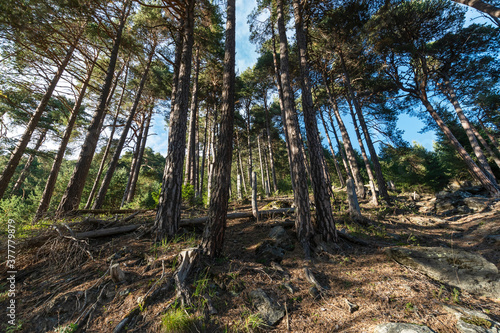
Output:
x=401 y=328
x=458 y=268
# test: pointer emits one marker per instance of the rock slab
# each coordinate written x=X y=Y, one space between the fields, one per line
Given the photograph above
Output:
x=269 y=310
x=471 y=321
x=458 y=268
x=401 y=328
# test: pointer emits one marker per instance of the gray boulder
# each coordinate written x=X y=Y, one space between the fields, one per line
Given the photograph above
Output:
x=281 y=238
x=455 y=267
x=471 y=321
x=268 y=252
x=477 y=204
x=268 y=309
x=401 y=328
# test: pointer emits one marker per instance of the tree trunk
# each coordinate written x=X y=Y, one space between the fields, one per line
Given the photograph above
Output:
x=110 y=140
x=249 y=146
x=476 y=172
x=262 y=167
x=493 y=139
x=382 y=189
x=203 y=158
x=268 y=180
x=482 y=7
x=365 y=158
x=351 y=157
x=73 y=193
x=213 y=235
x=452 y=97
x=339 y=146
x=169 y=207
x=48 y=191
x=279 y=86
x=30 y=160
x=99 y=200
x=18 y=152
x=335 y=162
x=241 y=162
x=486 y=146
x=303 y=224
x=134 y=161
x=190 y=170
x=135 y=175
x=269 y=145
x=321 y=185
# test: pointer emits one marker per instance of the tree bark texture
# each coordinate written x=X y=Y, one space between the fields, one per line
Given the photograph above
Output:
x=190 y=170
x=213 y=234
x=298 y=169
x=321 y=185
x=270 y=147
x=486 y=146
x=18 y=152
x=169 y=206
x=72 y=195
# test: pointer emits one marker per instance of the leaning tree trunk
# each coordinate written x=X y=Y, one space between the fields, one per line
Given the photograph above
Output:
x=249 y=146
x=476 y=172
x=99 y=200
x=492 y=138
x=483 y=162
x=335 y=162
x=365 y=157
x=486 y=146
x=303 y=224
x=18 y=152
x=110 y=139
x=339 y=146
x=382 y=189
x=190 y=170
x=169 y=206
x=134 y=161
x=484 y=7
x=351 y=157
x=213 y=234
x=135 y=174
x=240 y=162
x=43 y=206
x=321 y=185
x=72 y=195
x=30 y=160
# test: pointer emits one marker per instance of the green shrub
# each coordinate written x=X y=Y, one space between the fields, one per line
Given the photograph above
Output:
x=177 y=321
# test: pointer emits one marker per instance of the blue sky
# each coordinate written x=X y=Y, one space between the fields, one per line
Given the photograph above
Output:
x=246 y=56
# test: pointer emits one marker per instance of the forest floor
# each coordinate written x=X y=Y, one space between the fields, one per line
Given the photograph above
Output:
x=60 y=282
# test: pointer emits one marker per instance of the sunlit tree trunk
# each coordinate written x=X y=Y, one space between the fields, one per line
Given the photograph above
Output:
x=321 y=185
x=48 y=191
x=269 y=145
x=382 y=189
x=72 y=195
x=190 y=169
x=349 y=151
x=99 y=200
x=365 y=157
x=213 y=234
x=95 y=186
x=264 y=187
x=452 y=97
x=18 y=152
x=486 y=146
x=240 y=162
x=339 y=146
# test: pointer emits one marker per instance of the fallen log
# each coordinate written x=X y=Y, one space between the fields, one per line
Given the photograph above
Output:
x=184 y=223
x=108 y=231
x=107 y=211
x=263 y=213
